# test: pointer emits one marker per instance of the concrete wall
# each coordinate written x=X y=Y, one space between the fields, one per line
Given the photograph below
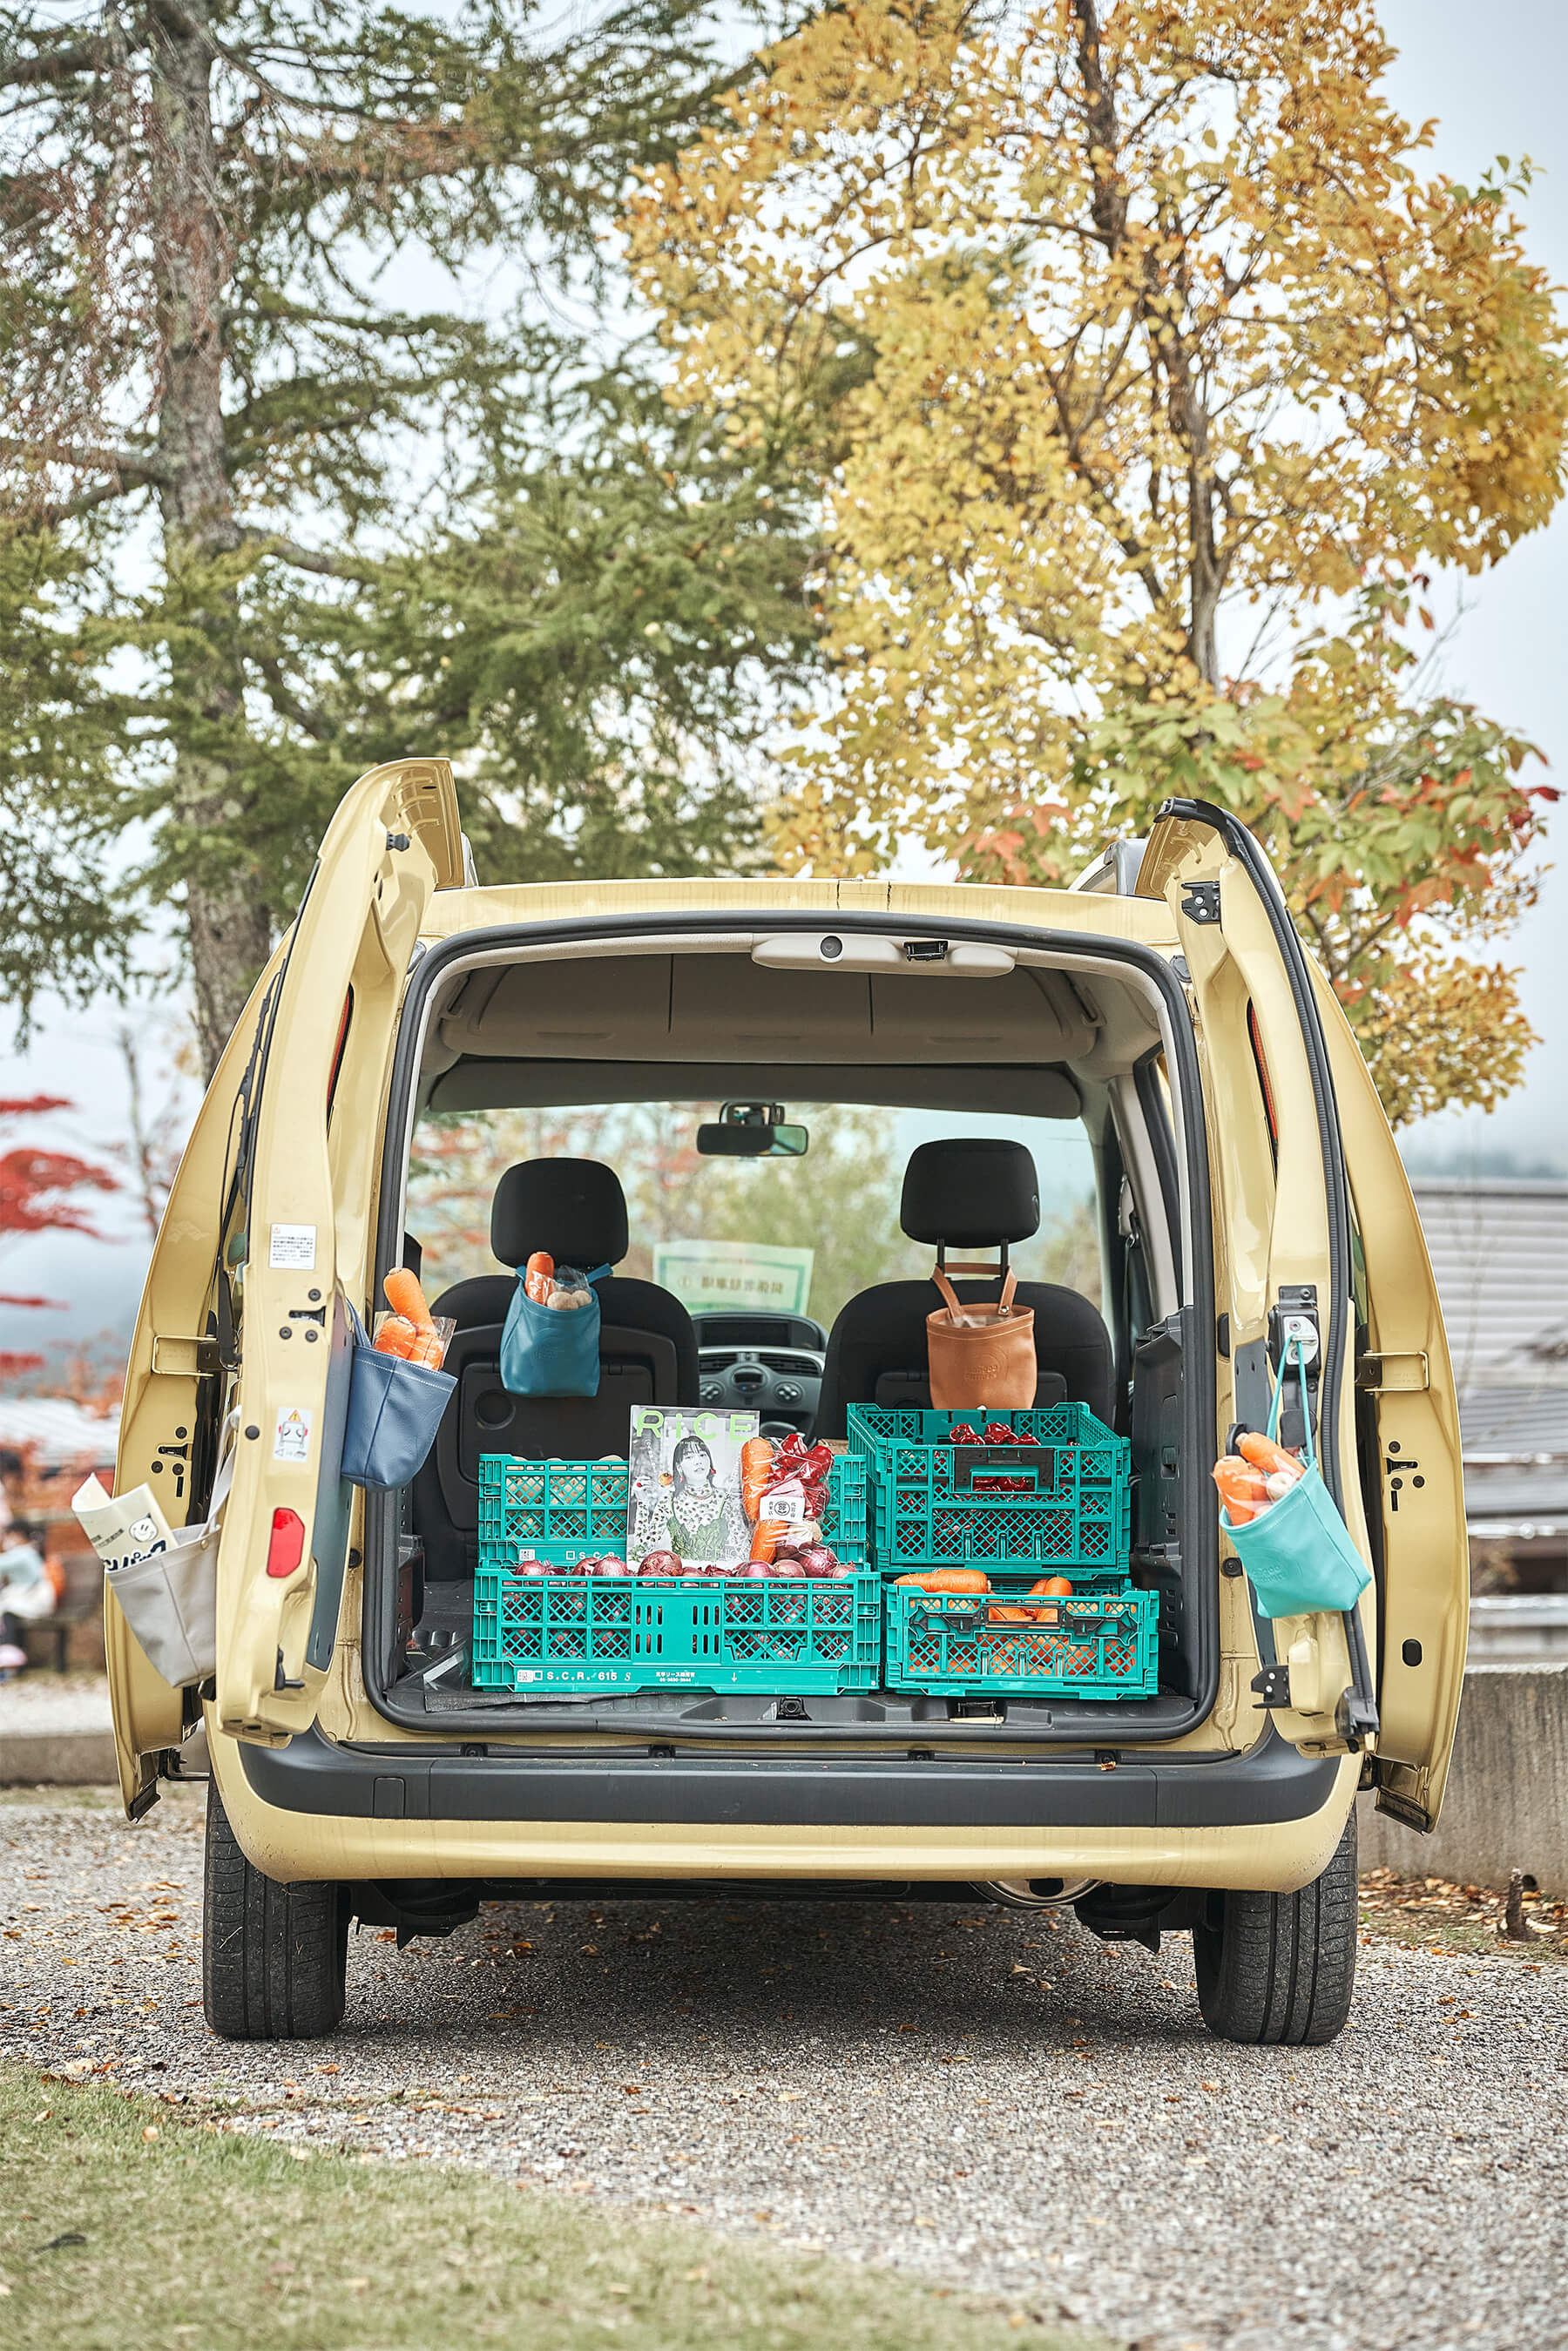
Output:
x=1507 y=1802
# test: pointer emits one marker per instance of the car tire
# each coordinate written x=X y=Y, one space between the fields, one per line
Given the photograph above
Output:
x=1277 y=1970
x=274 y=1958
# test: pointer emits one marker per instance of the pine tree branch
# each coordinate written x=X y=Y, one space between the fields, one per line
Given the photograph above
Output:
x=55 y=66
x=305 y=559
x=134 y=467
x=282 y=698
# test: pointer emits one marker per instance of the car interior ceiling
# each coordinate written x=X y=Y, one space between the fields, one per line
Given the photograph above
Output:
x=698 y=1025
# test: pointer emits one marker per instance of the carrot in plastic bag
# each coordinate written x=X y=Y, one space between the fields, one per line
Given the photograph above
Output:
x=538 y=1275
x=1265 y=1455
x=397 y=1336
x=766 y=1537
x=756 y=1472
x=405 y=1297
x=1242 y=1489
x=429 y=1348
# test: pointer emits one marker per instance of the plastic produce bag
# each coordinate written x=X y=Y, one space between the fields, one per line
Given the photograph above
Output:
x=1297 y=1550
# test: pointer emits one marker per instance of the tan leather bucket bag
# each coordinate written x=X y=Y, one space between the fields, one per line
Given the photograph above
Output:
x=980 y=1355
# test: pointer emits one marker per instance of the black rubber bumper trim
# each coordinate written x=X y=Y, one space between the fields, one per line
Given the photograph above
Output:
x=1272 y=1782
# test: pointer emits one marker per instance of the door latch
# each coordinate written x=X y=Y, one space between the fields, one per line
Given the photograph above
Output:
x=1273 y=1686
x=1294 y=1317
x=1201 y=901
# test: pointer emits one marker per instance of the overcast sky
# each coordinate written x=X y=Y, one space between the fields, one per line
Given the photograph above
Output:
x=1491 y=96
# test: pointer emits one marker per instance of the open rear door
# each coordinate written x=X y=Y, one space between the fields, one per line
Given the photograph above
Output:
x=301 y=1239
x=175 y=1382
x=279 y=1215
x=1282 y=1249
x=1413 y=1480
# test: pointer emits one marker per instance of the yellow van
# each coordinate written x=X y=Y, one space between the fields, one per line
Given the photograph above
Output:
x=1155 y=1039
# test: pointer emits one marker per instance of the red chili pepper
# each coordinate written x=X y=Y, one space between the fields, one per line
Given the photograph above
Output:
x=998 y=1433
x=962 y=1435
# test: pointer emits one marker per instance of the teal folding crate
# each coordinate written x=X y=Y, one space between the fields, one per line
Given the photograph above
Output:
x=583 y=1635
x=588 y=1636
x=536 y=1502
x=1065 y=1500
x=1103 y=1642
x=844 y=1522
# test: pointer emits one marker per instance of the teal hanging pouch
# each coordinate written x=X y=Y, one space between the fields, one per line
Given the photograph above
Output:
x=1298 y=1553
x=547 y=1353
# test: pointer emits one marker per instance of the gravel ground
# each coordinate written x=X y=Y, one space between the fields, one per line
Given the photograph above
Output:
x=975 y=2096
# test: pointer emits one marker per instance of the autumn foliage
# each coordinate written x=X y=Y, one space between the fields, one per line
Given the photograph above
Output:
x=40 y=1192
x=1147 y=378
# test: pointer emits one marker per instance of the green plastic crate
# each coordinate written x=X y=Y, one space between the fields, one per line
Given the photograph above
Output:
x=586 y=1635
x=844 y=1519
x=534 y=1504
x=1103 y=1642
x=614 y=1633
x=538 y=1502
x=935 y=1504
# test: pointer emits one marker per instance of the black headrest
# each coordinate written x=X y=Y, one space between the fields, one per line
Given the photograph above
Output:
x=970 y=1194
x=575 y=1209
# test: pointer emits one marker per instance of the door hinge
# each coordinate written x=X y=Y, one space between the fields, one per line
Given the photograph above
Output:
x=1201 y=901
x=1393 y=1374
x=189 y=1359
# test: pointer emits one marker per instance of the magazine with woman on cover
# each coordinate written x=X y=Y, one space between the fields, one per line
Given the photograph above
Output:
x=685 y=1484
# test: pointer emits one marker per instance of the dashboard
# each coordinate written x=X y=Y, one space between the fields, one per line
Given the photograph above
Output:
x=767 y=1363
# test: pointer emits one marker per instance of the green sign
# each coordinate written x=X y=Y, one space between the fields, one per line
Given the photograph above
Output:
x=745 y=1274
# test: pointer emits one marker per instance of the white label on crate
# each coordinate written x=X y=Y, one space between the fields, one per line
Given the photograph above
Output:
x=291 y=1437
x=293 y=1248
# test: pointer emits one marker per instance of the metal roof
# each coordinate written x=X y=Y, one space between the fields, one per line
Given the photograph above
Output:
x=62 y=1432
x=1499 y=1250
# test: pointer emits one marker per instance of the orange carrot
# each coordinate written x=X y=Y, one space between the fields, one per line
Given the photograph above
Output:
x=397 y=1336
x=766 y=1538
x=1264 y=1454
x=755 y=1470
x=538 y=1275
x=1242 y=1489
x=949 y=1579
x=405 y=1297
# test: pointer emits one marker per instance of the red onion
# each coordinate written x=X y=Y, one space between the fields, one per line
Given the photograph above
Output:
x=661 y=1562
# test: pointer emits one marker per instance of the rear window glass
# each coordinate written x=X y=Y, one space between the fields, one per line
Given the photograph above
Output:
x=839 y=1203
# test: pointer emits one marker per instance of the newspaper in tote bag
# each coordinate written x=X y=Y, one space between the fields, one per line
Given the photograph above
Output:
x=166 y=1579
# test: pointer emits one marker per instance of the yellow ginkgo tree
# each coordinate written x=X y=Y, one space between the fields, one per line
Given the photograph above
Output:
x=1147 y=379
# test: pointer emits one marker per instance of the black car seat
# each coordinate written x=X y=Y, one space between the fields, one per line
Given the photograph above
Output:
x=576 y=1209
x=967 y=1195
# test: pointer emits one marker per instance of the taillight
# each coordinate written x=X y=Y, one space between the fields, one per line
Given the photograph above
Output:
x=287 y=1547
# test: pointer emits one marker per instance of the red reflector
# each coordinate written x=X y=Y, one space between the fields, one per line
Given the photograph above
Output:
x=287 y=1547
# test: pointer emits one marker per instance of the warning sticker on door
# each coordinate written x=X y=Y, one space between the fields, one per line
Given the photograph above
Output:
x=293 y=1248
x=292 y=1438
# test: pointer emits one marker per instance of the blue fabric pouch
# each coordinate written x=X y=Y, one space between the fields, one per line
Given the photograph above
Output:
x=394 y=1410
x=1298 y=1554
x=548 y=1354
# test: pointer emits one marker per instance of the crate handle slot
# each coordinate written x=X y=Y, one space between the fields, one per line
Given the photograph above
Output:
x=1041 y=1460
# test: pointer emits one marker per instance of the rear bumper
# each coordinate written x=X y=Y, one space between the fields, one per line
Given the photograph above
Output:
x=1269 y=1819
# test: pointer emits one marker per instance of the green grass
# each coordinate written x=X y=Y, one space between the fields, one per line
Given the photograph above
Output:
x=197 y=2239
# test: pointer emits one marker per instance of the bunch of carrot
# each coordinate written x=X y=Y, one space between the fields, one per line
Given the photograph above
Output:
x=1254 y=1477
x=410 y=1330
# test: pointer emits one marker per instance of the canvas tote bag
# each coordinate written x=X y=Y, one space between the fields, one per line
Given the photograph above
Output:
x=980 y=1355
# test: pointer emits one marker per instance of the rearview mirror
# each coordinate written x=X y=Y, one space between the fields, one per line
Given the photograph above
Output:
x=752 y=1130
